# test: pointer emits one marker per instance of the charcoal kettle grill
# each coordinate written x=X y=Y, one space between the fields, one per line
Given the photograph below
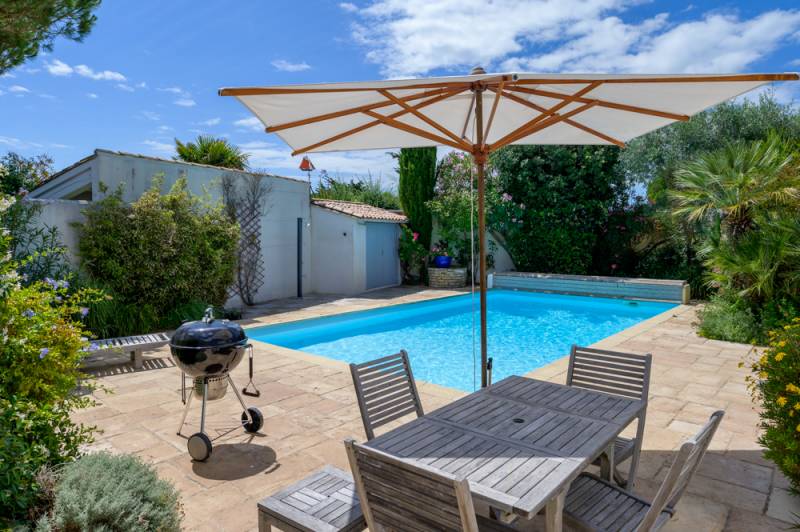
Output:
x=207 y=351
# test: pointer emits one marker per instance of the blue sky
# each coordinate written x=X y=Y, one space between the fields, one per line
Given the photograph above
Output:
x=149 y=71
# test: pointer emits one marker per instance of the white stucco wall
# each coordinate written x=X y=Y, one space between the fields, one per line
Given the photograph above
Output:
x=286 y=201
x=62 y=214
x=338 y=245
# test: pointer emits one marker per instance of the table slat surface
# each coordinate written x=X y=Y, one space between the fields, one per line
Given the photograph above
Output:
x=519 y=442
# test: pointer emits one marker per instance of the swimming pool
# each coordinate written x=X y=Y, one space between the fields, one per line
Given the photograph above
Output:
x=526 y=330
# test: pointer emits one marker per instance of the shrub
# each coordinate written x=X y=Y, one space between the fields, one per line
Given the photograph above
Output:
x=412 y=255
x=775 y=385
x=41 y=346
x=112 y=493
x=160 y=252
x=35 y=436
x=727 y=319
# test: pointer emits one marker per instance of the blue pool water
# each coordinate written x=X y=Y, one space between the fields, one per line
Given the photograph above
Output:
x=526 y=330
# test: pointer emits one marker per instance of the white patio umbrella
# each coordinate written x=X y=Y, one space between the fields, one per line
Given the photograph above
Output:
x=522 y=108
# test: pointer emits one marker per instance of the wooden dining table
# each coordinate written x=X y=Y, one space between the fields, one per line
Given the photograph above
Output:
x=519 y=442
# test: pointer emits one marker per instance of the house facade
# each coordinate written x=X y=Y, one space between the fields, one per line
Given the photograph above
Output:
x=306 y=247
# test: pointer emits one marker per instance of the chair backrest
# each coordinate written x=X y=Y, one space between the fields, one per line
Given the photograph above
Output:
x=399 y=496
x=682 y=471
x=385 y=390
x=625 y=374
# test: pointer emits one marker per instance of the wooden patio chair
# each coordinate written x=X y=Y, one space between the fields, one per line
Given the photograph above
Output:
x=617 y=373
x=398 y=496
x=385 y=390
x=596 y=505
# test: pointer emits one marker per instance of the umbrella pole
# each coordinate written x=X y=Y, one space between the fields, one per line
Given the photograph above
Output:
x=479 y=155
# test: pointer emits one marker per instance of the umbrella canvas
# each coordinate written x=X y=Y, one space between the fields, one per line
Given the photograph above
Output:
x=481 y=113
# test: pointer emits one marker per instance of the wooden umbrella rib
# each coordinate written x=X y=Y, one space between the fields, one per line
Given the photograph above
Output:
x=391 y=122
x=522 y=130
x=374 y=123
x=497 y=95
x=353 y=110
x=262 y=91
x=604 y=103
x=523 y=101
x=667 y=79
x=425 y=118
x=466 y=119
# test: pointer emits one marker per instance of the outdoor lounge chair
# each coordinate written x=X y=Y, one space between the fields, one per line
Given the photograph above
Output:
x=385 y=391
x=624 y=374
x=396 y=495
x=133 y=345
x=596 y=505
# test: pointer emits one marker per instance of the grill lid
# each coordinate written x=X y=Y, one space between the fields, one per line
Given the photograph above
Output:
x=208 y=333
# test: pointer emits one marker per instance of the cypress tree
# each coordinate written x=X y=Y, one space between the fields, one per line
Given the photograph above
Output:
x=417 y=182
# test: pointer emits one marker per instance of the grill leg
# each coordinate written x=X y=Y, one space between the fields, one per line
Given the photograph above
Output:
x=203 y=408
x=239 y=397
x=185 y=411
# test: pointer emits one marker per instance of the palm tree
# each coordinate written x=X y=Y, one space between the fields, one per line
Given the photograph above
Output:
x=732 y=185
x=212 y=151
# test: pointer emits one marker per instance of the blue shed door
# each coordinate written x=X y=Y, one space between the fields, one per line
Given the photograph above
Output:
x=382 y=254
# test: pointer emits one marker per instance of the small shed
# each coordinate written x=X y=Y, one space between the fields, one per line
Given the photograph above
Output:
x=354 y=246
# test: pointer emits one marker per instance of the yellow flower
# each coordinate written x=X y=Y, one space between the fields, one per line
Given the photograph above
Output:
x=792 y=388
x=798 y=428
x=782 y=343
x=763 y=375
x=781 y=401
x=779 y=356
x=797 y=406
x=741 y=364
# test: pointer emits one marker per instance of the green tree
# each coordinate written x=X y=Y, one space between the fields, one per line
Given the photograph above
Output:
x=558 y=199
x=650 y=157
x=212 y=151
x=417 y=169
x=368 y=190
x=732 y=185
x=22 y=174
x=29 y=26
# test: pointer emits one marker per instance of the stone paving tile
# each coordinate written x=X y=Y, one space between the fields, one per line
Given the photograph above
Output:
x=309 y=408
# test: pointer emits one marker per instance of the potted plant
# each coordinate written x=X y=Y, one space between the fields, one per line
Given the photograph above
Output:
x=441 y=254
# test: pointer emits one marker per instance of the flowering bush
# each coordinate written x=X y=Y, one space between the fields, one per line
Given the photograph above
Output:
x=775 y=384
x=412 y=255
x=440 y=249
x=42 y=341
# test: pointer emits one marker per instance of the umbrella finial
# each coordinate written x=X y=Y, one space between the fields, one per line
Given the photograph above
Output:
x=477 y=71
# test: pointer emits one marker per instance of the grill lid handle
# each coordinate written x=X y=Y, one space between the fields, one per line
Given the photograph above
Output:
x=208 y=316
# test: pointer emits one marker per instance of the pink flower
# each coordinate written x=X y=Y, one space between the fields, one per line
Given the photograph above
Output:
x=506 y=196
x=613 y=266
x=415 y=236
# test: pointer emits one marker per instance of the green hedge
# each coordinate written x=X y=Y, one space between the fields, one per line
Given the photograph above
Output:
x=160 y=258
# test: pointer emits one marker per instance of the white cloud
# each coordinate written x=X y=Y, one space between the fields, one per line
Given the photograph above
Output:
x=58 y=68
x=251 y=123
x=286 y=66
x=141 y=85
x=92 y=95
x=161 y=148
x=47 y=96
x=19 y=89
x=185 y=102
x=8 y=75
x=348 y=7
x=125 y=87
x=173 y=90
x=719 y=43
x=19 y=144
x=210 y=122
x=107 y=75
x=414 y=37
x=165 y=128
x=150 y=115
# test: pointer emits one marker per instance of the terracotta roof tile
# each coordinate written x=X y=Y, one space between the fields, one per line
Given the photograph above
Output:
x=360 y=210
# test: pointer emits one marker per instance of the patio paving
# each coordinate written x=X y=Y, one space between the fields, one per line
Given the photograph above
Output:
x=309 y=408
